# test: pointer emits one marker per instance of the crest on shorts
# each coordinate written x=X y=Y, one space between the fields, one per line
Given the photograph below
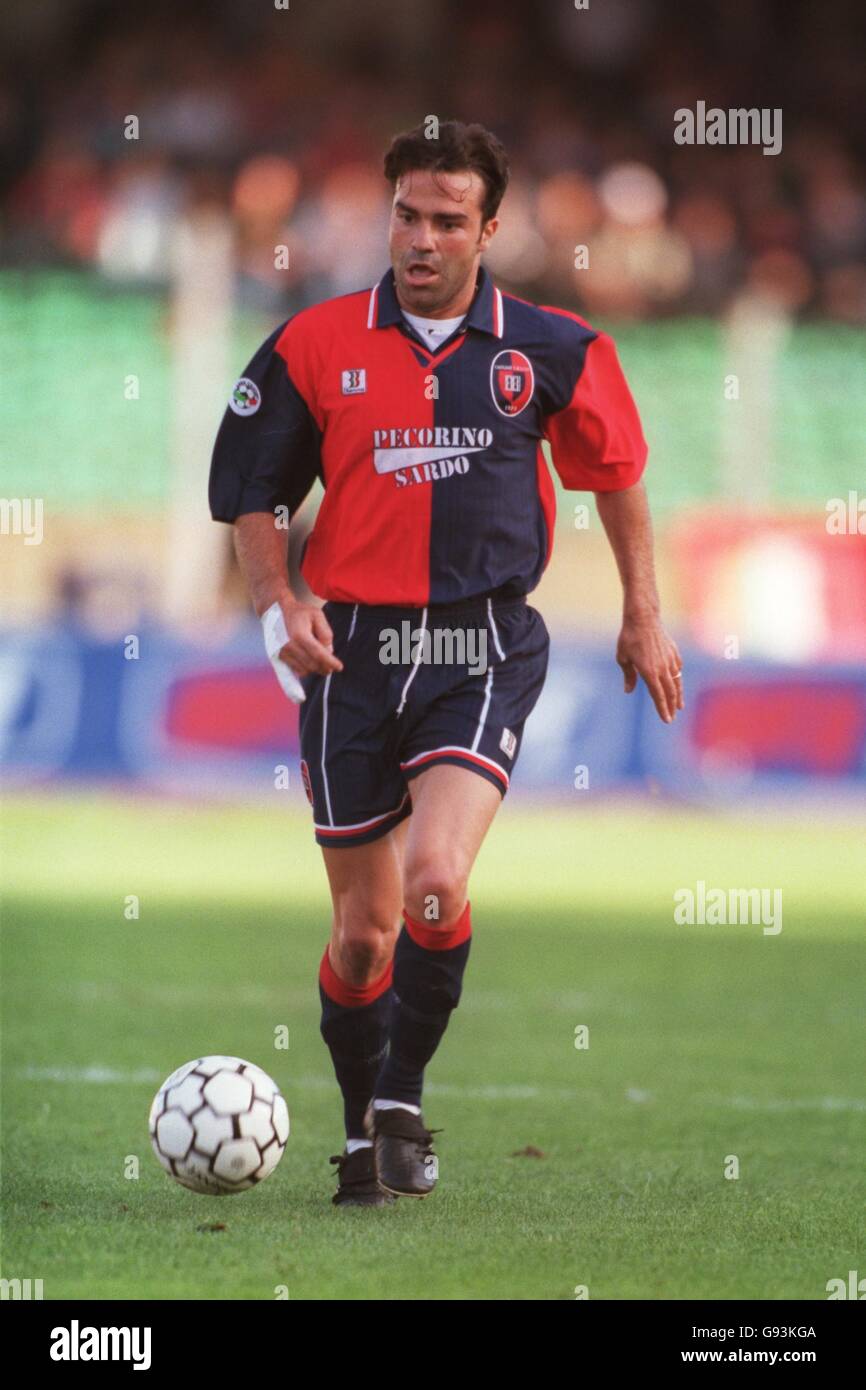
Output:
x=305 y=778
x=246 y=397
x=512 y=381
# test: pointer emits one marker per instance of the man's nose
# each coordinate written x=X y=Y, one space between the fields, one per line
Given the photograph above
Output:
x=423 y=239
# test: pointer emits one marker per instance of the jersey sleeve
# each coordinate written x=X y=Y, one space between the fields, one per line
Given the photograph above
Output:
x=267 y=451
x=596 y=440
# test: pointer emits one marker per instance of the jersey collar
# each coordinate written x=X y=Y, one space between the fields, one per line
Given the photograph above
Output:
x=486 y=311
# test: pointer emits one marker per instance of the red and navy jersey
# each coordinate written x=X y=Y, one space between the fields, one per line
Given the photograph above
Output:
x=436 y=487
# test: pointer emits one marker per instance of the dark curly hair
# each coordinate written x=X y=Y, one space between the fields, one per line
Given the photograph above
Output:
x=458 y=146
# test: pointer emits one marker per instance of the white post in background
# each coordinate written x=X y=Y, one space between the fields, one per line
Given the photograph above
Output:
x=201 y=311
x=771 y=590
x=755 y=333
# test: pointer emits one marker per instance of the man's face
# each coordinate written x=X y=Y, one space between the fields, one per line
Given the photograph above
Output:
x=436 y=238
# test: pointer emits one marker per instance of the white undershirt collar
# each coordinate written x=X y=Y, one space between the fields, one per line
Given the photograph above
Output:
x=433 y=331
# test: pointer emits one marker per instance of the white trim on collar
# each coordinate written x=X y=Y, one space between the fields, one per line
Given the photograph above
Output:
x=498 y=313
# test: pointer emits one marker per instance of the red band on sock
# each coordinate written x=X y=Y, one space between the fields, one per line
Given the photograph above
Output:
x=351 y=996
x=440 y=938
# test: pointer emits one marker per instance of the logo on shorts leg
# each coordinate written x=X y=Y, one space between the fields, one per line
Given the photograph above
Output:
x=305 y=778
x=508 y=743
x=512 y=382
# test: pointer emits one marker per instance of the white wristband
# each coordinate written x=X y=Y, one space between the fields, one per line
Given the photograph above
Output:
x=276 y=637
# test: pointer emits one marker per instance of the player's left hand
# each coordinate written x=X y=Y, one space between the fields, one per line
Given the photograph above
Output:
x=645 y=649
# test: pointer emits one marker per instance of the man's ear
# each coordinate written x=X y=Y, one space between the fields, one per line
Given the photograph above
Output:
x=487 y=233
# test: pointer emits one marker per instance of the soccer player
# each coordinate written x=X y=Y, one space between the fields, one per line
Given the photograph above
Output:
x=422 y=403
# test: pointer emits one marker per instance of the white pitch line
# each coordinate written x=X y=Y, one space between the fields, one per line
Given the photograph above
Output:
x=826 y=1103
x=92 y=1075
x=98 y=1075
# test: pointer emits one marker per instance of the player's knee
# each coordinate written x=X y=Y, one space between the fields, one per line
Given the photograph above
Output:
x=363 y=945
x=362 y=959
x=435 y=890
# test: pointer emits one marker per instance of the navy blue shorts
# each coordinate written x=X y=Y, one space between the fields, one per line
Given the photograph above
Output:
x=419 y=687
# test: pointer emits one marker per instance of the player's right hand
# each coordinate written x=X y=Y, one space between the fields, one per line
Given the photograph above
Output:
x=310 y=647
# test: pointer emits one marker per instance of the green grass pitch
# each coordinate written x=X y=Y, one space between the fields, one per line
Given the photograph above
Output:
x=704 y=1042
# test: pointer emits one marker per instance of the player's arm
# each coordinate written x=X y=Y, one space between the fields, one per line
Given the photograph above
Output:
x=598 y=445
x=644 y=648
x=261 y=548
x=265 y=460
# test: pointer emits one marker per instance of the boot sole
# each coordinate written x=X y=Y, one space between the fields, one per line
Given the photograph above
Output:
x=398 y=1192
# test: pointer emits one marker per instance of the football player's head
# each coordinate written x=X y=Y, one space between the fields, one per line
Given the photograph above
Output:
x=447 y=189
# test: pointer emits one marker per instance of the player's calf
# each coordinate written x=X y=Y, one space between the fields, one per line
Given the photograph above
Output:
x=354 y=1025
x=427 y=983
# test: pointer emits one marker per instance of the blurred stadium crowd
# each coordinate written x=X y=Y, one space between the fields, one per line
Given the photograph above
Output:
x=280 y=115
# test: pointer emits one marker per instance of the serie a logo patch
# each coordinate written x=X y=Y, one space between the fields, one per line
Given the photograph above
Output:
x=355 y=381
x=512 y=382
x=246 y=397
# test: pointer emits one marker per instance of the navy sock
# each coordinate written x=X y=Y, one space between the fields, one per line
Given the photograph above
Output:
x=355 y=1025
x=428 y=978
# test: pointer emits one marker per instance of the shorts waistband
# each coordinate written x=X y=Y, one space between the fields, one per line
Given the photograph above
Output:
x=477 y=606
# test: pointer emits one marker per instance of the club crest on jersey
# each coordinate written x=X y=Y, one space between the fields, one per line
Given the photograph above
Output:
x=246 y=397
x=355 y=381
x=305 y=779
x=512 y=381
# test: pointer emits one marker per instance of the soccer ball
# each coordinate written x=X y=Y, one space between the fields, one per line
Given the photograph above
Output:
x=219 y=1125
